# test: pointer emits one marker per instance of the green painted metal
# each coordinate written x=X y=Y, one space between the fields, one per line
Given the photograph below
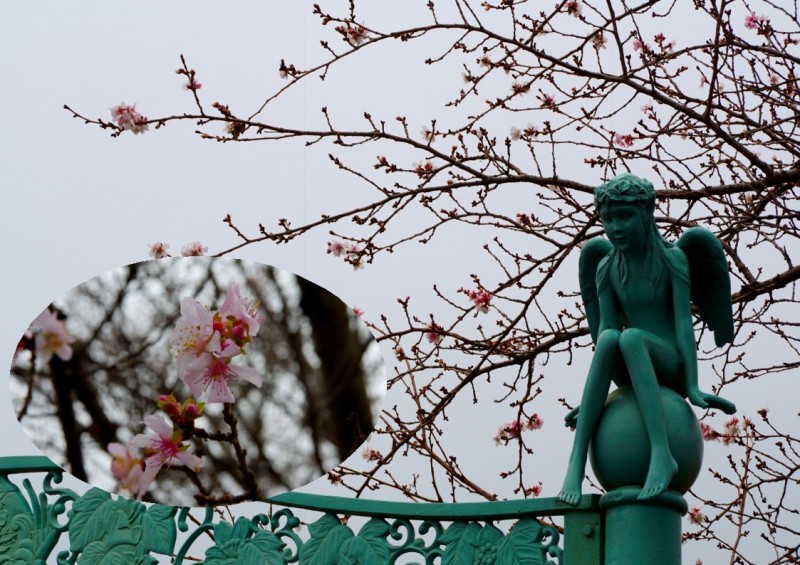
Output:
x=645 y=440
x=637 y=290
x=102 y=529
x=638 y=531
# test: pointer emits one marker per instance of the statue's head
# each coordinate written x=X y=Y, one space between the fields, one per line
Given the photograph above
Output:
x=626 y=187
x=626 y=197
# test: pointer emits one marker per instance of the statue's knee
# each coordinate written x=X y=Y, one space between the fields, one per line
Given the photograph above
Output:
x=631 y=338
x=608 y=338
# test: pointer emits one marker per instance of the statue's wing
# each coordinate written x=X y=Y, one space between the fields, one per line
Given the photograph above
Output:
x=592 y=253
x=710 y=281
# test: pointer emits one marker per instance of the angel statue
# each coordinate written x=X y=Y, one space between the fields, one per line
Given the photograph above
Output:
x=637 y=290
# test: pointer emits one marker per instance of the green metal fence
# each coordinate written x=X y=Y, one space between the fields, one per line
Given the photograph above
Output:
x=100 y=529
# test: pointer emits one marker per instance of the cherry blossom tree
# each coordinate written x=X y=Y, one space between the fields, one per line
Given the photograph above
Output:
x=548 y=101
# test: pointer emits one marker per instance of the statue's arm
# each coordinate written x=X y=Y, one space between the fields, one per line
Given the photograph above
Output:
x=684 y=329
x=609 y=310
x=687 y=346
x=609 y=319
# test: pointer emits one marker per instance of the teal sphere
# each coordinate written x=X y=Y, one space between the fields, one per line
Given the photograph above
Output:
x=620 y=450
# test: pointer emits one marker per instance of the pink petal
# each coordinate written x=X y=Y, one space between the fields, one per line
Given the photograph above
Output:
x=142 y=440
x=231 y=298
x=194 y=372
x=220 y=392
x=151 y=468
x=249 y=374
x=158 y=425
x=117 y=449
x=192 y=461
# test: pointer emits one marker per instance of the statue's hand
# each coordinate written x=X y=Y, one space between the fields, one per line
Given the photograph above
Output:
x=571 y=419
x=706 y=400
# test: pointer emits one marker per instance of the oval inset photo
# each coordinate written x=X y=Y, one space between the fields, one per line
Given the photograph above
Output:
x=198 y=381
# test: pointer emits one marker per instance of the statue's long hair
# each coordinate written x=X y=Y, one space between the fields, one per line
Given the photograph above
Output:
x=631 y=189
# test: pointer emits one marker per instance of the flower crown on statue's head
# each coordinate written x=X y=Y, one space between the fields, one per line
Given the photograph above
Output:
x=626 y=187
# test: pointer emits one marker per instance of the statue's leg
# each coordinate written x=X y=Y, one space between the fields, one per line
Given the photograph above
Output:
x=643 y=352
x=592 y=404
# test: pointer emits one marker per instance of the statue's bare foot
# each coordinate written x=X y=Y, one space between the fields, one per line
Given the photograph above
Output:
x=662 y=469
x=571 y=491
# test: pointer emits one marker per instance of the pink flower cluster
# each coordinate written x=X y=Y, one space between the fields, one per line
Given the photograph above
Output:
x=193 y=249
x=351 y=252
x=433 y=333
x=164 y=449
x=623 y=140
x=158 y=250
x=696 y=516
x=205 y=343
x=354 y=34
x=126 y=466
x=192 y=84
x=752 y=21
x=128 y=118
x=535 y=490
x=370 y=454
x=731 y=431
x=481 y=299
x=514 y=429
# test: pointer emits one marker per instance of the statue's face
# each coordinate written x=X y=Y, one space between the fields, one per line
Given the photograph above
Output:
x=624 y=225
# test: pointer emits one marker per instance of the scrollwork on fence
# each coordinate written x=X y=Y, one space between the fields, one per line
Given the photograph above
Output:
x=102 y=529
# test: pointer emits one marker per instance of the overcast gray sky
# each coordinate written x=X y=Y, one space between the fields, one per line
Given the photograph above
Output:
x=77 y=203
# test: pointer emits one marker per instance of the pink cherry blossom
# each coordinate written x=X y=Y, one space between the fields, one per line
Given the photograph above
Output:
x=573 y=8
x=481 y=299
x=335 y=248
x=163 y=449
x=369 y=454
x=51 y=337
x=355 y=35
x=751 y=21
x=732 y=430
x=128 y=118
x=357 y=311
x=193 y=249
x=623 y=140
x=428 y=134
x=637 y=44
x=515 y=133
x=433 y=335
x=158 y=250
x=514 y=429
x=354 y=256
x=535 y=490
x=193 y=332
x=423 y=169
x=534 y=422
x=508 y=431
x=239 y=317
x=192 y=85
x=212 y=371
x=709 y=433
x=126 y=466
x=696 y=516
x=599 y=40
